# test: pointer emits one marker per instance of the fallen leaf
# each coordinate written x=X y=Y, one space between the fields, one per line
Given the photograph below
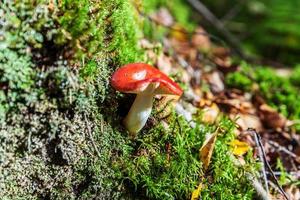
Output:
x=207 y=149
x=163 y=17
x=216 y=81
x=200 y=39
x=221 y=52
x=179 y=33
x=210 y=113
x=164 y=63
x=238 y=147
x=245 y=121
x=270 y=117
x=196 y=193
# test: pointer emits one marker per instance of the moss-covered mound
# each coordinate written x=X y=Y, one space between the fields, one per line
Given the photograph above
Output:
x=61 y=135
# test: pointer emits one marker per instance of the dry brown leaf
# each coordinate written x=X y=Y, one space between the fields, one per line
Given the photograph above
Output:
x=225 y=65
x=163 y=17
x=210 y=113
x=207 y=148
x=293 y=192
x=245 y=121
x=200 y=39
x=164 y=63
x=270 y=117
x=164 y=105
x=221 y=52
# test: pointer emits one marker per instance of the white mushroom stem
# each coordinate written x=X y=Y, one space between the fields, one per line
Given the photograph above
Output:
x=140 y=110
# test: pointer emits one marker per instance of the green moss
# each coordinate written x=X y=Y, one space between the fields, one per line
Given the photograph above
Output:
x=165 y=164
x=295 y=77
x=106 y=29
x=239 y=81
x=280 y=92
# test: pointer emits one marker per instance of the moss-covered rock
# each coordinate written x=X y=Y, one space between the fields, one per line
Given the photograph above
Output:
x=55 y=63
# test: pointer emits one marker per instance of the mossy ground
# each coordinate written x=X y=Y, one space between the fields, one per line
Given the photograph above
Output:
x=282 y=93
x=61 y=134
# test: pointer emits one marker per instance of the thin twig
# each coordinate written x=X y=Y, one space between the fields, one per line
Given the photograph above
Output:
x=267 y=163
x=260 y=154
x=91 y=136
x=214 y=21
x=233 y=11
x=258 y=187
x=283 y=149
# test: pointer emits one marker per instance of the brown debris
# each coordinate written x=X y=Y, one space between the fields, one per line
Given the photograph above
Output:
x=163 y=17
x=270 y=117
x=201 y=40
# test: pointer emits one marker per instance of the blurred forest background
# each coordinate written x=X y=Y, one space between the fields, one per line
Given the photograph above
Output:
x=269 y=29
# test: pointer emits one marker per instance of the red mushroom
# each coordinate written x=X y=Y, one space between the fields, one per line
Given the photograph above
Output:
x=145 y=81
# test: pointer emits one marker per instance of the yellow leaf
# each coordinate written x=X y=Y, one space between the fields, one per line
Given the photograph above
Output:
x=239 y=148
x=179 y=33
x=207 y=149
x=196 y=192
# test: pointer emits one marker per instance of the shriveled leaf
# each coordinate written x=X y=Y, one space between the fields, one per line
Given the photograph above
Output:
x=196 y=193
x=245 y=121
x=207 y=148
x=270 y=117
x=239 y=148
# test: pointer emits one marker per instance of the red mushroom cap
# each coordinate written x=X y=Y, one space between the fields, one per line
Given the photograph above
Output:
x=135 y=77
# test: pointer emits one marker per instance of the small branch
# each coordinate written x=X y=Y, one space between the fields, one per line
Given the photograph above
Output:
x=214 y=21
x=257 y=136
x=261 y=155
x=283 y=149
x=233 y=11
x=258 y=187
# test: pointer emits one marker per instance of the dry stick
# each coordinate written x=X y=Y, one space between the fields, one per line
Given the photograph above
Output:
x=233 y=11
x=214 y=21
x=91 y=136
x=261 y=155
x=258 y=187
x=283 y=149
x=267 y=163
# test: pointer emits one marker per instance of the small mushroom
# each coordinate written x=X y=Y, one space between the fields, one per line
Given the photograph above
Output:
x=145 y=81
